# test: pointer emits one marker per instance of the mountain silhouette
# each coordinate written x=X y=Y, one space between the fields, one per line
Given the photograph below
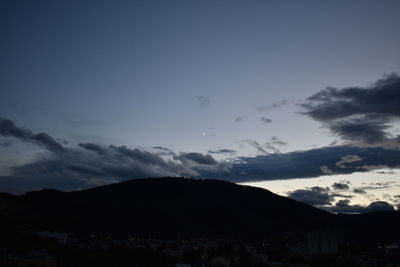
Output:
x=181 y=207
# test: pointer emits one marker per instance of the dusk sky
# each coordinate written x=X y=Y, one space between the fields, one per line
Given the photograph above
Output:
x=299 y=97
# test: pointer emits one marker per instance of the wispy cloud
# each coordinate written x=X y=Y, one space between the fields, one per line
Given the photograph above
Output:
x=241 y=118
x=265 y=120
x=256 y=145
x=274 y=105
x=203 y=100
x=276 y=141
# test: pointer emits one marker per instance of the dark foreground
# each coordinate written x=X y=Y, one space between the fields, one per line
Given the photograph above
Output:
x=185 y=222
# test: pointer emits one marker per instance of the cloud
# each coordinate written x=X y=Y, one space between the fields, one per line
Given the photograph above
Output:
x=275 y=140
x=323 y=197
x=241 y=118
x=222 y=151
x=272 y=148
x=302 y=164
x=360 y=115
x=91 y=163
x=316 y=196
x=365 y=130
x=340 y=186
x=5 y=143
x=378 y=185
x=197 y=158
x=274 y=105
x=266 y=148
x=164 y=151
x=343 y=206
x=77 y=168
x=8 y=128
x=364 y=190
x=203 y=101
x=137 y=155
x=347 y=159
x=93 y=147
x=162 y=148
x=380 y=206
x=255 y=145
x=325 y=170
x=265 y=120
x=386 y=172
x=359 y=191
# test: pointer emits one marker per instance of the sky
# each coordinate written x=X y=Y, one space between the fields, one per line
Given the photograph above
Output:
x=299 y=97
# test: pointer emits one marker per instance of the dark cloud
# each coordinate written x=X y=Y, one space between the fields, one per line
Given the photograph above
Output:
x=241 y=118
x=359 y=114
x=340 y=186
x=144 y=157
x=197 y=158
x=365 y=130
x=343 y=206
x=273 y=105
x=95 y=164
x=86 y=170
x=93 y=147
x=45 y=174
x=49 y=142
x=8 y=128
x=62 y=141
x=203 y=100
x=222 y=151
x=75 y=168
x=265 y=120
x=380 y=206
x=323 y=197
x=80 y=168
x=304 y=164
x=359 y=191
x=316 y=196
